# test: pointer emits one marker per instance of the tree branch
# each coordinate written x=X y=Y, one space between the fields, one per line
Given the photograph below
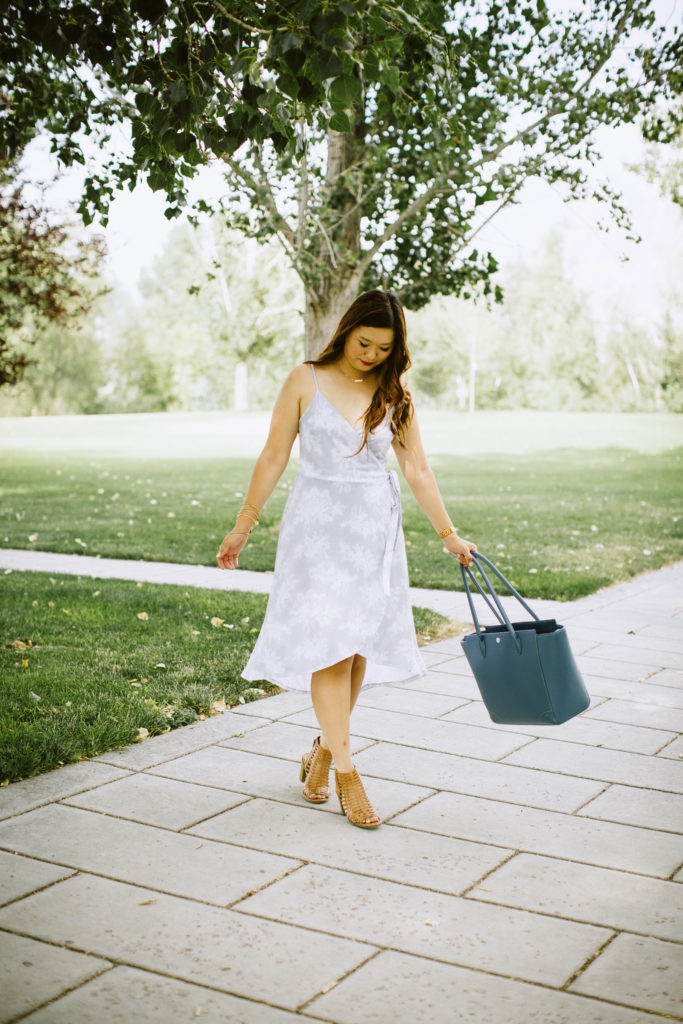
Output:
x=262 y=191
x=441 y=183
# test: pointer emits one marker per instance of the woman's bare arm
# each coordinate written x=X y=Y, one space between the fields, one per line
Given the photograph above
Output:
x=420 y=478
x=271 y=463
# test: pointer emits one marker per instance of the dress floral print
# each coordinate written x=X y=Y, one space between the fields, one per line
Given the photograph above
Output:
x=341 y=578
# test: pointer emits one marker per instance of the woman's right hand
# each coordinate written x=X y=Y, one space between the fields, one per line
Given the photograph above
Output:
x=230 y=549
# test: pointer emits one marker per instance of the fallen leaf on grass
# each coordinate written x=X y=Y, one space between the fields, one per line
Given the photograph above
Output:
x=20 y=644
x=215 y=621
x=143 y=615
x=143 y=734
x=218 y=707
x=160 y=664
x=33 y=536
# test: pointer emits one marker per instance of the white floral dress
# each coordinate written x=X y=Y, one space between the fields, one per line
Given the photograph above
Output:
x=341 y=578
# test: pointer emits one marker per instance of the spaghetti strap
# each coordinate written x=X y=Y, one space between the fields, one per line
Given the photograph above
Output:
x=315 y=376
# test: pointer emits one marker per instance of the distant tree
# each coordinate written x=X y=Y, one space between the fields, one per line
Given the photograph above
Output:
x=48 y=274
x=372 y=139
x=215 y=311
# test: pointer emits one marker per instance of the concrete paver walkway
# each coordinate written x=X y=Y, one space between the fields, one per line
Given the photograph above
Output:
x=520 y=874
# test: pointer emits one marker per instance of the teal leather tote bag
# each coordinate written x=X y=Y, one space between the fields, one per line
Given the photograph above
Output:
x=525 y=671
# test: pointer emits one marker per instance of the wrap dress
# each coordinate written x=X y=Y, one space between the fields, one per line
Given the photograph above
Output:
x=341 y=578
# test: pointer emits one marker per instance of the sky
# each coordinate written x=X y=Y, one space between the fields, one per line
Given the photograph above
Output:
x=637 y=278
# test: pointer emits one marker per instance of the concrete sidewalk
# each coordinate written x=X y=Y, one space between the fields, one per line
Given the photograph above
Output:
x=519 y=875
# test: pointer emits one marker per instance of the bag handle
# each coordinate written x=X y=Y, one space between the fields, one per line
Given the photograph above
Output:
x=499 y=611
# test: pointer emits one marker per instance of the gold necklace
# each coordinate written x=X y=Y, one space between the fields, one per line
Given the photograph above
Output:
x=356 y=380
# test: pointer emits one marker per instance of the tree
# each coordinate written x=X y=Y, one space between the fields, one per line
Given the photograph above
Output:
x=373 y=140
x=46 y=275
x=213 y=310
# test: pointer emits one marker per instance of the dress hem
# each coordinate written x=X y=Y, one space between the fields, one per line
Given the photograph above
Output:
x=307 y=687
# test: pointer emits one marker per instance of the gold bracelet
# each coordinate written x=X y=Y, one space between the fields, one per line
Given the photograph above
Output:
x=251 y=524
x=447 y=532
x=249 y=510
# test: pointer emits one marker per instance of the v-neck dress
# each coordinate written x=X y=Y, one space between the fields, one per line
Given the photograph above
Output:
x=341 y=577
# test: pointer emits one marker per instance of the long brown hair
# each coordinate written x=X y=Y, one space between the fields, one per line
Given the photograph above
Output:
x=378 y=309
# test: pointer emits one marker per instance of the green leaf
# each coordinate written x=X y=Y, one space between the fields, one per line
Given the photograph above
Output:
x=340 y=122
x=345 y=91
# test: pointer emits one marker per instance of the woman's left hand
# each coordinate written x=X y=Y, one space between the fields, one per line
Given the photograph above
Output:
x=460 y=548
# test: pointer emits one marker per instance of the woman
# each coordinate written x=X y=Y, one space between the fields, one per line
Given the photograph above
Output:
x=339 y=612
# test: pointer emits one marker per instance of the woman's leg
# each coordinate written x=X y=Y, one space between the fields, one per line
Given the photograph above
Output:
x=334 y=691
x=358 y=663
x=331 y=694
x=357 y=676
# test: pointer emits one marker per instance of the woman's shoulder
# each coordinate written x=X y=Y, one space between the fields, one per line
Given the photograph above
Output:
x=300 y=382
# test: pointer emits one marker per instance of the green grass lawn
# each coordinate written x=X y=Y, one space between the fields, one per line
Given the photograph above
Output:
x=560 y=524
x=86 y=664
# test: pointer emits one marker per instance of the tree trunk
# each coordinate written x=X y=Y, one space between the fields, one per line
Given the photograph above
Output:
x=241 y=394
x=333 y=286
x=321 y=316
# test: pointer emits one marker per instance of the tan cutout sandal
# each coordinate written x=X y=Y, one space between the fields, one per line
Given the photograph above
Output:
x=315 y=772
x=354 y=801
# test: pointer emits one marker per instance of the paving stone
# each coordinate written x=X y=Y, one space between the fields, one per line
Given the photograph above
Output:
x=673 y=750
x=452 y=684
x=649 y=655
x=664 y=631
x=643 y=640
x=615 y=899
x=285 y=739
x=276 y=779
x=428 y=734
x=399 y=987
x=669 y=677
x=412 y=920
x=495 y=780
x=278 y=706
x=408 y=702
x=608 y=765
x=578 y=730
x=213 y=872
x=560 y=835
x=437 y=862
x=126 y=994
x=637 y=971
x=641 y=691
x=432 y=658
x=455 y=667
x=20 y=876
x=190 y=941
x=156 y=801
x=591 y=665
x=647 y=808
x=32 y=972
x=638 y=713
x=55 y=785
x=162 y=748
